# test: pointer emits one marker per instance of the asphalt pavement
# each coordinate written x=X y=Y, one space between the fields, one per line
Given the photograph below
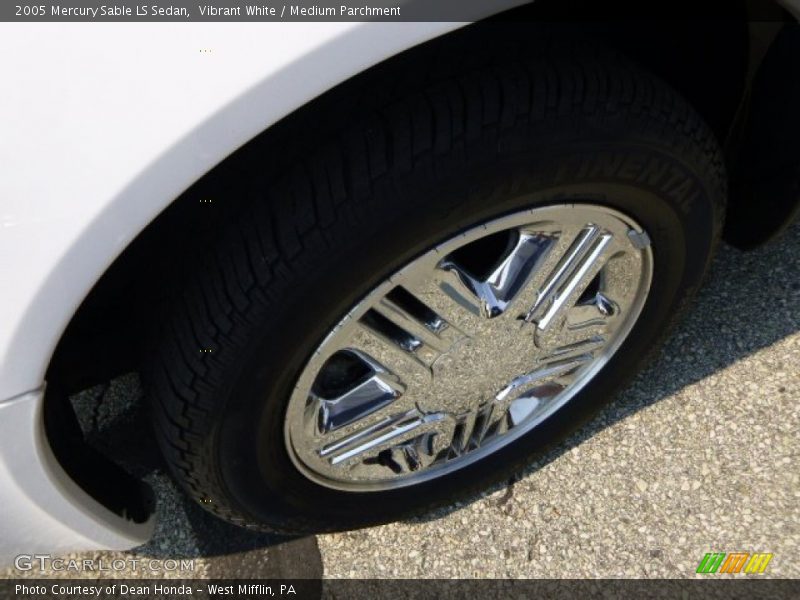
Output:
x=699 y=454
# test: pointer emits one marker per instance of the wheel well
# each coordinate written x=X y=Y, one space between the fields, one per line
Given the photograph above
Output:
x=105 y=337
x=110 y=333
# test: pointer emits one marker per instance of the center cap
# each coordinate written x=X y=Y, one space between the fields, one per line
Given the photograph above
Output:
x=475 y=370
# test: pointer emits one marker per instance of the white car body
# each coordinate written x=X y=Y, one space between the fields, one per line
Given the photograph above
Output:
x=102 y=126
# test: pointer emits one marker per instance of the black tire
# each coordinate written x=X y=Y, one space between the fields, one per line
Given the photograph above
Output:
x=391 y=185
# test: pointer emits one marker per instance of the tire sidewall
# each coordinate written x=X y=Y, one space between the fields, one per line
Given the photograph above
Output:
x=404 y=219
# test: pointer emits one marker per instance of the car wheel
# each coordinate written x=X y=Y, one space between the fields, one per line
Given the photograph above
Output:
x=436 y=295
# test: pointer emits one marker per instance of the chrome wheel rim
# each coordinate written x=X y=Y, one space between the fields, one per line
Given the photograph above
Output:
x=468 y=347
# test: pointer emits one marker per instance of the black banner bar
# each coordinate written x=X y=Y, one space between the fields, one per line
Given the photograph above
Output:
x=710 y=587
x=378 y=10
x=252 y=10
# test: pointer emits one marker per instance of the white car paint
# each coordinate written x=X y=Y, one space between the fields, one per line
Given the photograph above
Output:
x=43 y=510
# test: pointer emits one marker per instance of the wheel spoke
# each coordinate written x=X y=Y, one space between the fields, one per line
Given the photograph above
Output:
x=408 y=329
x=439 y=293
x=573 y=274
x=494 y=295
x=414 y=455
x=418 y=320
x=484 y=419
x=579 y=348
x=383 y=435
x=401 y=352
x=371 y=393
x=546 y=373
x=595 y=311
x=533 y=390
